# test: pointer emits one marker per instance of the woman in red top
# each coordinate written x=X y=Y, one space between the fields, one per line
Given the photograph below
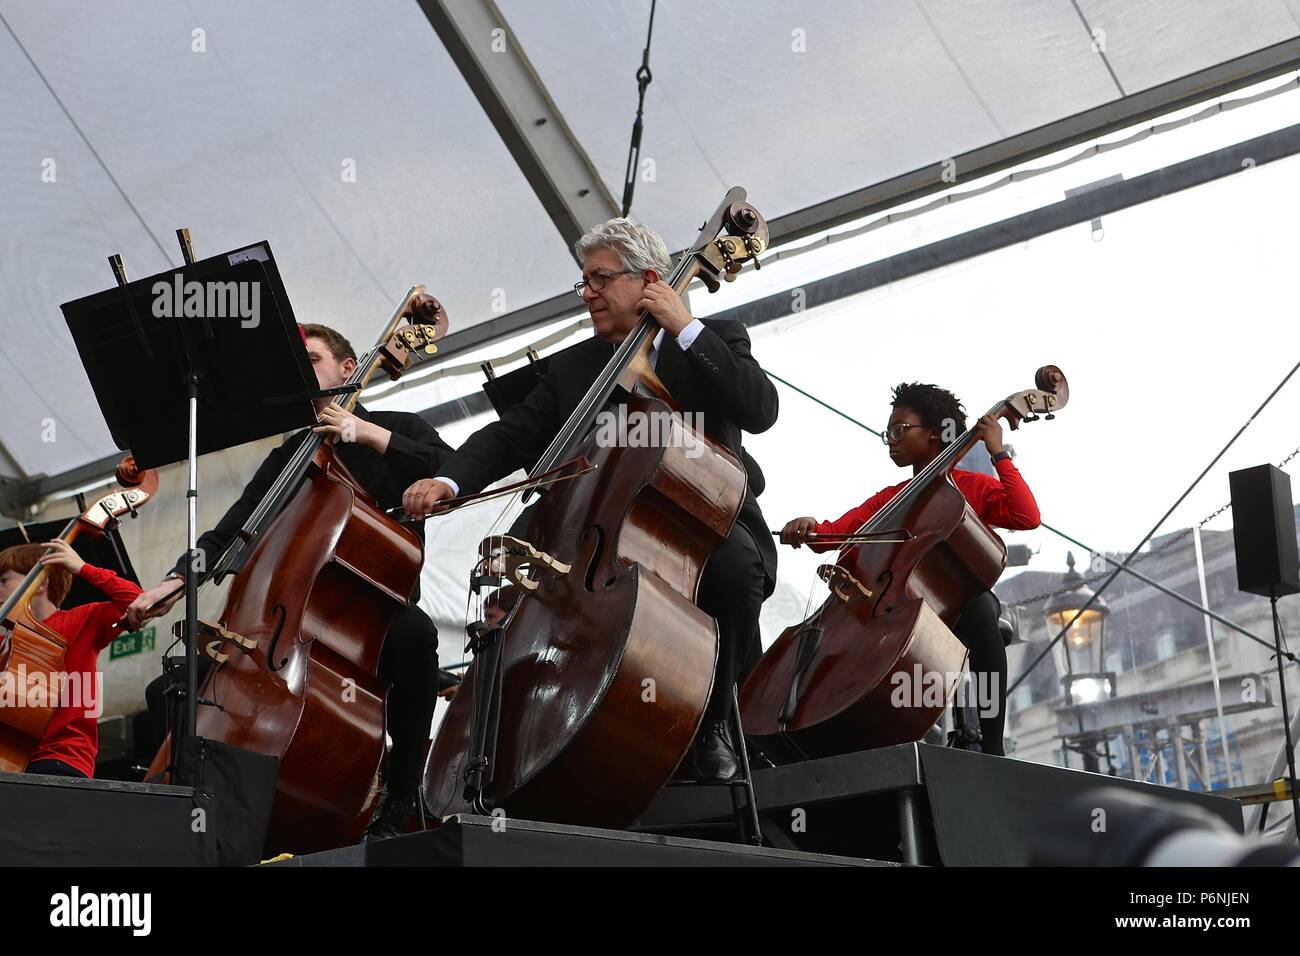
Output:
x=925 y=418
x=71 y=741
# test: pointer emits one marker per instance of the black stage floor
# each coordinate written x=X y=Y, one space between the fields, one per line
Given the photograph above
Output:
x=466 y=840
x=910 y=804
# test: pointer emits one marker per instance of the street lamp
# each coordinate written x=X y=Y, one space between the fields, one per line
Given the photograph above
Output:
x=1081 y=654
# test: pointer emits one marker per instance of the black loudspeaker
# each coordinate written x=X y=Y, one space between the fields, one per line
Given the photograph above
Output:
x=1264 y=532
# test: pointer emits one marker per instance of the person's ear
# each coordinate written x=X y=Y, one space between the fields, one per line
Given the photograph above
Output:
x=650 y=275
x=348 y=366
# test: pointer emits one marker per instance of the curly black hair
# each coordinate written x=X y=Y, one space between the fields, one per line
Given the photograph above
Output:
x=935 y=405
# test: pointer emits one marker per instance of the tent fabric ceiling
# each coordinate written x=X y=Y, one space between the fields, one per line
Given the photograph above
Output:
x=248 y=140
x=803 y=103
x=244 y=142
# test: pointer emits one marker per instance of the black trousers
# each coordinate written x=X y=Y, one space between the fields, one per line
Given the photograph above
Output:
x=408 y=664
x=732 y=590
x=977 y=628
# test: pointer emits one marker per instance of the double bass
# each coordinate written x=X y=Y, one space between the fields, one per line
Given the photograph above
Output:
x=603 y=664
x=32 y=653
x=320 y=571
x=827 y=685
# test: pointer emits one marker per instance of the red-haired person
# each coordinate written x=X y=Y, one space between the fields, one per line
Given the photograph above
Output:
x=924 y=419
x=71 y=741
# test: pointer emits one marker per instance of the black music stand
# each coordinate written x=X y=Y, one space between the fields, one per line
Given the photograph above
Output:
x=508 y=390
x=180 y=370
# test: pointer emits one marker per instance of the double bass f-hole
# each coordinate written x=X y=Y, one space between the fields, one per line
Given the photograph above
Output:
x=883 y=582
x=271 y=665
x=597 y=555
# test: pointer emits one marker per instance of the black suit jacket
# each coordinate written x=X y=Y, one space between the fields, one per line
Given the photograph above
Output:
x=717 y=378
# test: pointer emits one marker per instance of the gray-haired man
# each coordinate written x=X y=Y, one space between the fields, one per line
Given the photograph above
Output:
x=711 y=374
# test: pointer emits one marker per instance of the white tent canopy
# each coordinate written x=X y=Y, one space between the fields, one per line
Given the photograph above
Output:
x=247 y=121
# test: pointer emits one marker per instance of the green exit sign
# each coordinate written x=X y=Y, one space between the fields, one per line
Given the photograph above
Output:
x=124 y=645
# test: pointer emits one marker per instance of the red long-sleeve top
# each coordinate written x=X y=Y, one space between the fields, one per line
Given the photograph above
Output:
x=73 y=732
x=1004 y=502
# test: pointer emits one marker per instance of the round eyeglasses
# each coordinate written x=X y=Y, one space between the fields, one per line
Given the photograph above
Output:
x=896 y=431
x=598 y=280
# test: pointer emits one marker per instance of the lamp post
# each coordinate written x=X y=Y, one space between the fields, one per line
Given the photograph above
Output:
x=1081 y=655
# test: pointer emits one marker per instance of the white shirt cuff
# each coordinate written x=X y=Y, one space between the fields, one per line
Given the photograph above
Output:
x=455 y=488
x=687 y=335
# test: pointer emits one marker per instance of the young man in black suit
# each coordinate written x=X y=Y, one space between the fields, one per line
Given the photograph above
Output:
x=708 y=369
x=385 y=452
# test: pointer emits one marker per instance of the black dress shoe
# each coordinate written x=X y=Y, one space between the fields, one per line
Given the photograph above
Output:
x=391 y=816
x=713 y=758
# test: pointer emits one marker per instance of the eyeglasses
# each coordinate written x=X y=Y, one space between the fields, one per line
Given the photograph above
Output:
x=598 y=280
x=896 y=432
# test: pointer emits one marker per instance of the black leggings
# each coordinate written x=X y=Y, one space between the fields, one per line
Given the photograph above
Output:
x=977 y=628
x=55 y=768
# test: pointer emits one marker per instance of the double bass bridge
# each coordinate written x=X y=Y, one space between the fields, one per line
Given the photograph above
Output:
x=842 y=583
x=518 y=560
x=214 y=637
